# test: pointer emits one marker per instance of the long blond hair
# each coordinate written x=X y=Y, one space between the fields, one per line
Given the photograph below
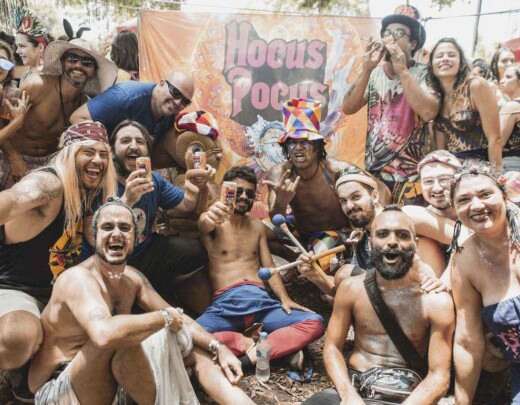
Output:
x=78 y=200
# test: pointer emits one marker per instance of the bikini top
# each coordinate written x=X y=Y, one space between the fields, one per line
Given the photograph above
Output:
x=503 y=320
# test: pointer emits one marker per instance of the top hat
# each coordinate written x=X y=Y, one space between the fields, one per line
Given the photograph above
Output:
x=301 y=119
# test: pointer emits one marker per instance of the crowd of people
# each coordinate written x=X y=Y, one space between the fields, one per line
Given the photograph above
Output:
x=98 y=306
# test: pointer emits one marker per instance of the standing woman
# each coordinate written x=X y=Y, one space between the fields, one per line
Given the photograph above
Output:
x=510 y=118
x=32 y=37
x=467 y=124
x=502 y=58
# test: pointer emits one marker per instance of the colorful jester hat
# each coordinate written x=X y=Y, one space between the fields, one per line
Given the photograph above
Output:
x=301 y=119
x=27 y=23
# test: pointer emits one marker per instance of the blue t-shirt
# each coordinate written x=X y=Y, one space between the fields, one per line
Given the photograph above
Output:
x=128 y=100
x=164 y=195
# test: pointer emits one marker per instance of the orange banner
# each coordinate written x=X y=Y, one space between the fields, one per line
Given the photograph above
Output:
x=245 y=66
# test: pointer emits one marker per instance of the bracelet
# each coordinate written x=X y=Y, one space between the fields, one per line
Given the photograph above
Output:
x=168 y=318
x=213 y=347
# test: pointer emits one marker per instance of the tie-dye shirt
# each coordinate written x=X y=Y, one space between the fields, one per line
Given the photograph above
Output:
x=395 y=139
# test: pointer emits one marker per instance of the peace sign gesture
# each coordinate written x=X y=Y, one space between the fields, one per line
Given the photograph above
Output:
x=285 y=188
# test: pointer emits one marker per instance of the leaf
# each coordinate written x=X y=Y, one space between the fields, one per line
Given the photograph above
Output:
x=68 y=29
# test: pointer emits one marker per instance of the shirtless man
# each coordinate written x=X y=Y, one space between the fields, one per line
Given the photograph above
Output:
x=40 y=214
x=490 y=295
x=92 y=341
x=237 y=248
x=306 y=181
x=70 y=71
x=153 y=105
x=426 y=319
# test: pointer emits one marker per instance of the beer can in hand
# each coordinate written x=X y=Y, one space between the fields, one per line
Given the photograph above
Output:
x=199 y=160
x=228 y=193
x=144 y=162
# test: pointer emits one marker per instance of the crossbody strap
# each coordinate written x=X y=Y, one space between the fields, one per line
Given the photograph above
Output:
x=387 y=317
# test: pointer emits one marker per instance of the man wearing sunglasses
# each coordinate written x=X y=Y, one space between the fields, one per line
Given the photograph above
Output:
x=154 y=106
x=71 y=71
x=399 y=103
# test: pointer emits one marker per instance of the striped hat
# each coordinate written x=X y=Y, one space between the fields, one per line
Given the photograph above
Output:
x=301 y=118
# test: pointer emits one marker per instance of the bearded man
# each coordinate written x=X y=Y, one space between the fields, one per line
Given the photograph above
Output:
x=71 y=70
x=43 y=213
x=425 y=320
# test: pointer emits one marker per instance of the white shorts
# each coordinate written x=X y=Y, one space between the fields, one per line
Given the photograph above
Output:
x=57 y=391
x=14 y=300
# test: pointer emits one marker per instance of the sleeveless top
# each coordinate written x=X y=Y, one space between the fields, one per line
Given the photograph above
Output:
x=465 y=136
x=24 y=266
x=512 y=147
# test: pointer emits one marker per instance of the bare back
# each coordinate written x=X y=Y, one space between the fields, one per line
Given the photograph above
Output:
x=64 y=336
x=234 y=252
x=45 y=121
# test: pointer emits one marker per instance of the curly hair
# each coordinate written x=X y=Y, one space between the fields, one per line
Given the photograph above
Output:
x=241 y=172
x=319 y=145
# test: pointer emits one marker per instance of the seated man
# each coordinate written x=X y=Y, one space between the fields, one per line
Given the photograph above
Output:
x=160 y=257
x=427 y=321
x=92 y=342
x=237 y=248
x=306 y=181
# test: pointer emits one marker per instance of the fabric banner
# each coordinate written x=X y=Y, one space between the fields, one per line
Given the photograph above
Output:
x=246 y=65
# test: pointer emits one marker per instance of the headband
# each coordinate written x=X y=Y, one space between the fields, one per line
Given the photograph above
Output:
x=84 y=131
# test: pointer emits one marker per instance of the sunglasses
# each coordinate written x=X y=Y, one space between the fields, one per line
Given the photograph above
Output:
x=85 y=61
x=177 y=95
x=249 y=192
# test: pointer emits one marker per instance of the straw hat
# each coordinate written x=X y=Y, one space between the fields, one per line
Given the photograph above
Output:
x=106 y=72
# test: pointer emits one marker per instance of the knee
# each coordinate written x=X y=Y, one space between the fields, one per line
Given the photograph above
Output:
x=20 y=337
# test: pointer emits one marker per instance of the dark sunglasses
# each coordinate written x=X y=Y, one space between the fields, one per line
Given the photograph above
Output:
x=177 y=95
x=86 y=61
x=249 y=193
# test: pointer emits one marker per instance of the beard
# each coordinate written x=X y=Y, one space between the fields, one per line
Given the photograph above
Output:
x=246 y=208
x=362 y=221
x=120 y=167
x=396 y=271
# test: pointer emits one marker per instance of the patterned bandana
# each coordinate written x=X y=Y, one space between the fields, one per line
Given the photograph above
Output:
x=31 y=25
x=301 y=118
x=200 y=122
x=84 y=131
x=440 y=156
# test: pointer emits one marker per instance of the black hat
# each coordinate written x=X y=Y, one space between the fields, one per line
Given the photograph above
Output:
x=409 y=16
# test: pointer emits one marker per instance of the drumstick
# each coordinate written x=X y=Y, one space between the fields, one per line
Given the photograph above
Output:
x=265 y=273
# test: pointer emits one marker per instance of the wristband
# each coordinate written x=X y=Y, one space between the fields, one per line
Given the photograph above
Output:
x=213 y=347
x=168 y=318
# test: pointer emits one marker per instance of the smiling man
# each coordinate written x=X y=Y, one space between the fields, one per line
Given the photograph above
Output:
x=154 y=106
x=45 y=213
x=426 y=320
x=71 y=70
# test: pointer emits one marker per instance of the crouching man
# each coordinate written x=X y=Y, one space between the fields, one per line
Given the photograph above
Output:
x=92 y=342
x=237 y=248
x=379 y=361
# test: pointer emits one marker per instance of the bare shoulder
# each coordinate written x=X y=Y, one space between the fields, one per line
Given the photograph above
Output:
x=480 y=87
x=350 y=290
x=43 y=181
x=416 y=211
x=73 y=280
x=511 y=107
x=136 y=277
x=440 y=307
x=34 y=85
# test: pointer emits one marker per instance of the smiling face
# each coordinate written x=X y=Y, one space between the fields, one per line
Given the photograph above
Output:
x=480 y=204
x=78 y=67
x=115 y=234
x=129 y=144
x=357 y=203
x=29 y=53
x=446 y=60
x=393 y=244
x=510 y=82
x=436 y=181
x=245 y=196
x=172 y=96
x=91 y=164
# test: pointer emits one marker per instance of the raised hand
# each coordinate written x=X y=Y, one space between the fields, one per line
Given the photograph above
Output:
x=285 y=188
x=397 y=56
x=137 y=184
x=218 y=213
x=19 y=108
x=373 y=54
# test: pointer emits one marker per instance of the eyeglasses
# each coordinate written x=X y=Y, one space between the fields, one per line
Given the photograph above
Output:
x=249 y=192
x=85 y=61
x=177 y=95
x=397 y=33
x=291 y=145
x=444 y=181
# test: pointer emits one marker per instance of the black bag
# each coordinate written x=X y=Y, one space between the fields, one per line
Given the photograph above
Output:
x=391 y=384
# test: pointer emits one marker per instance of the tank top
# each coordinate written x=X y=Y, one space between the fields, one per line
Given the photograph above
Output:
x=512 y=146
x=24 y=266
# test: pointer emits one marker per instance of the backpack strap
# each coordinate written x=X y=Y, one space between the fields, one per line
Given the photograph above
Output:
x=387 y=317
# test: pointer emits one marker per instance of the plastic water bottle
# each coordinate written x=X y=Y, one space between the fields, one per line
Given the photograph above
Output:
x=263 y=352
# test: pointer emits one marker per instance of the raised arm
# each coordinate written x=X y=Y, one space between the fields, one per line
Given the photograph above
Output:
x=35 y=190
x=282 y=190
x=356 y=98
x=333 y=358
x=442 y=323
x=469 y=336
x=483 y=98
x=213 y=217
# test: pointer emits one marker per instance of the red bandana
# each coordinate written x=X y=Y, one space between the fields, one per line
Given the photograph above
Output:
x=85 y=131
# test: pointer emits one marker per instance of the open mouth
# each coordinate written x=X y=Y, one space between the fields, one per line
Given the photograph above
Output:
x=116 y=248
x=391 y=258
x=93 y=173
x=299 y=157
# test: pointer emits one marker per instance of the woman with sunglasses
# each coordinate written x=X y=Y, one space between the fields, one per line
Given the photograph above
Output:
x=510 y=118
x=467 y=124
